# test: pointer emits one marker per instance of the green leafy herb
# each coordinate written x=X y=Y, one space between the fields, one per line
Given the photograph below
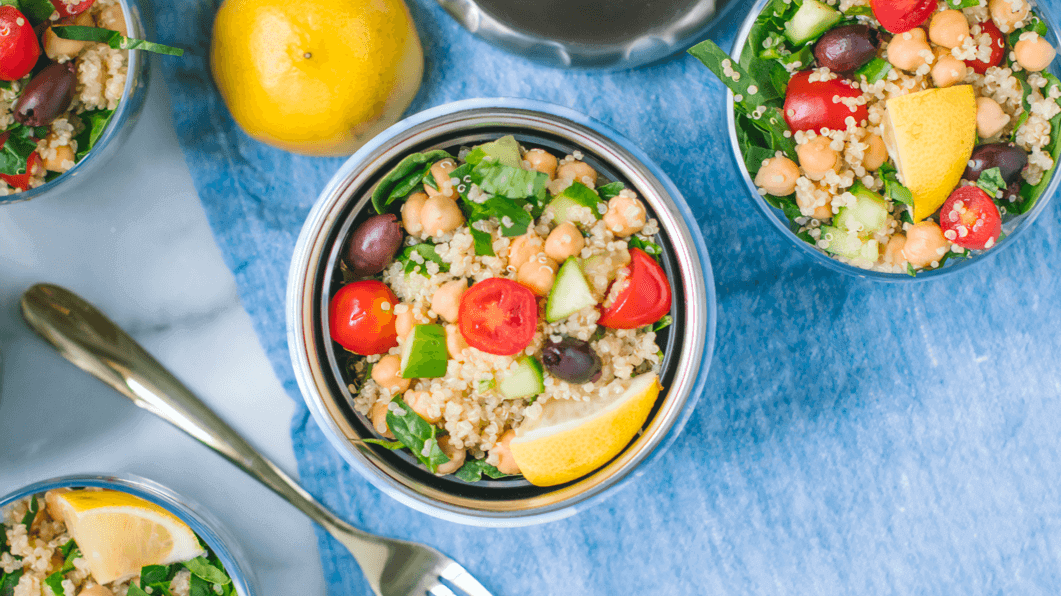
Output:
x=113 y=39
x=410 y=165
x=732 y=75
x=392 y=445
x=1030 y=194
x=646 y=245
x=514 y=219
x=417 y=434
x=37 y=11
x=15 y=153
x=893 y=189
x=610 y=190
x=865 y=11
x=960 y=4
x=95 y=122
x=31 y=513
x=4 y=546
x=663 y=323
x=1033 y=25
x=156 y=579
x=874 y=70
x=9 y=581
x=483 y=241
x=910 y=270
x=55 y=582
x=427 y=254
x=991 y=181
x=474 y=469
x=200 y=567
x=506 y=181
x=410 y=183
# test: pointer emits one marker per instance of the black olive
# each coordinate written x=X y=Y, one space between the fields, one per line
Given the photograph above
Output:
x=373 y=245
x=846 y=48
x=1007 y=157
x=47 y=95
x=571 y=360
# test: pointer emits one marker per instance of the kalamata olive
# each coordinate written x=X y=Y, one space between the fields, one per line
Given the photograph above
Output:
x=374 y=244
x=1012 y=193
x=47 y=95
x=571 y=360
x=1007 y=157
x=846 y=48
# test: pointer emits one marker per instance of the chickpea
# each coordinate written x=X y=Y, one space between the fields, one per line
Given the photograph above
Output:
x=542 y=161
x=388 y=373
x=406 y=316
x=440 y=215
x=1007 y=13
x=447 y=300
x=778 y=176
x=411 y=213
x=419 y=402
x=817 y=158
x=564 y=241
x=95 y=590
x=524 y=248
x=924 y=244
x=948 y=71
x=1034 y=53
x=876 y=154
x=538 y=275
x=626 y=215
x=455 y=343
x=506 y=464
x=456 y=456
x=440 y=172
x=948 y=28
x=378 y=416
x=113 y=19
x=908 y=51
x=893 y=253
x=577 y=171
x=51 y=502
x=990 y=118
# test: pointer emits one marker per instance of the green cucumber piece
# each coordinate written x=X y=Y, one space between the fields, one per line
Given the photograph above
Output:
x=424 y=354
x=846 y=244
x=576 y=195
x=504 y=151
x=570 y=293
x=867 y=216
x=811 y=20
x=526 y=381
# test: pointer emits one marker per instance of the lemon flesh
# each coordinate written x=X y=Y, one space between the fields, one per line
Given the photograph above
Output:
x=572 y=438
x=119 y=534
x=319 y=77
x=930 y=136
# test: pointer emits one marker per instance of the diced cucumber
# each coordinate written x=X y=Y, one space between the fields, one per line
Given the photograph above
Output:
x=503 y=151
x=570 y=292
x=846 y=244
x=811 y=20
x=526 y=381
x=424 y=354
x=576 y=195
x=867 y=216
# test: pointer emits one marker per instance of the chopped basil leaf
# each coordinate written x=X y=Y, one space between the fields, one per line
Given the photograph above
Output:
x=15 y=153
x=427 y=253
x=9 y=581
x=417 y=434
x=113 y=39
x=55 y=582
x=406 y=167
x=392 y=445
x=31 y=513
x=648 y=246
x=610 y=190
x=893 y=189
x=991 y=182
x=199 y=566
x=874 y=70
x=663 y=323
x=483 y=241
x=95 y=122
x=473 y=470
x=911 y=271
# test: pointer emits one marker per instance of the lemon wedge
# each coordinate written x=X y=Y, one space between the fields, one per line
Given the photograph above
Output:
x=118 y=533
x=573 y=438
x=930 y=136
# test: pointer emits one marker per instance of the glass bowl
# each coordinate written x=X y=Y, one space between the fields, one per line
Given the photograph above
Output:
x=344 y=203
x=198 y=519
x=121 y=123
x=1011 y=228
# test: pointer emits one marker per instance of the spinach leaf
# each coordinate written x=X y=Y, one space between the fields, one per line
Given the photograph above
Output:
x=1031 y=193
x=991 y=182
x=910 y=270
x=95 y=122
x=392 y=445
x=733 y=75
x=473 y=470
x=16 y=150
x=9 y=581
x=135 y=590
x=483 y=241
x=893 y=189
x=200 y=567
x=37 y=11
x=874 y=70
x=514 y=219
x=55 y=582
x=506 y=181
x=407 y=166
x=646 y=245
x=417 y=434
x=427 y=254
x=4 y=546
x=408 y=184
x=157 y=574
x=31 y=513
x=114 y=39
x=610 y=190
x=663 y=323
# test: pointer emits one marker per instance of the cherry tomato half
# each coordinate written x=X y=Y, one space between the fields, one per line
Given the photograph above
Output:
x=899 y=16
x=69 y=10
x=644 y=300
x=498 y=316
x=20 y=181
x=361 y=316
x=810 y=106
x=998 y=47
x=970 y=219
x=19 y=48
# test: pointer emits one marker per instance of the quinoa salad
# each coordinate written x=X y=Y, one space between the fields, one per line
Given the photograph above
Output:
x=490 y=284
x=39 y=555
x=895 y=136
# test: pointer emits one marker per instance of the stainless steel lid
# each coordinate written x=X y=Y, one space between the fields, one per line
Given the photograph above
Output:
x=600 y=34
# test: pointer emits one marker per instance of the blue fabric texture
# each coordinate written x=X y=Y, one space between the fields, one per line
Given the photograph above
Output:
x=854 y=437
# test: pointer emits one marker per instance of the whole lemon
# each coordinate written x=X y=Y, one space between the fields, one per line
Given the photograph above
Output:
x=317 y=77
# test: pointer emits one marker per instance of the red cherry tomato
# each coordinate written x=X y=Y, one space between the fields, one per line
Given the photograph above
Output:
x=998 y=47
x=970 y=219
x=20 y=181
x=69 y=10
x=810 y=106
x=899 y=16
x=361 y=316
x=498 y=316
x=19 y=48
x=644 y=300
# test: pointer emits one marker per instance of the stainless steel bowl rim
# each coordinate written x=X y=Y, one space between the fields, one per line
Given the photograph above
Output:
x=781 y=224
x=692 y=367
x=202 y=522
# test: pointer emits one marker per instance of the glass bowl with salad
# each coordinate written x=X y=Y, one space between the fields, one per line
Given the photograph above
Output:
x=895 y=139
x=100 y=535
x=73 y=77
x=498 y=309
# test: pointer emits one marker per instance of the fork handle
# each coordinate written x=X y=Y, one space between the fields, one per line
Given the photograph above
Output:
x=86 y=337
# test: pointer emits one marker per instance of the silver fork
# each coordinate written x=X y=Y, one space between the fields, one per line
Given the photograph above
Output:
x=86 y=337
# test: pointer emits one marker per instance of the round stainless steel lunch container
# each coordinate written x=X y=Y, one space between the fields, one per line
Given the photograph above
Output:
x=314 y=276
x=198 y=519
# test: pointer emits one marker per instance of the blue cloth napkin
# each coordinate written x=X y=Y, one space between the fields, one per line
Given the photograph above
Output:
x=853 y=437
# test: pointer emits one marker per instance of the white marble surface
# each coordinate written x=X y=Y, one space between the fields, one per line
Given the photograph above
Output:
x=134 y=240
